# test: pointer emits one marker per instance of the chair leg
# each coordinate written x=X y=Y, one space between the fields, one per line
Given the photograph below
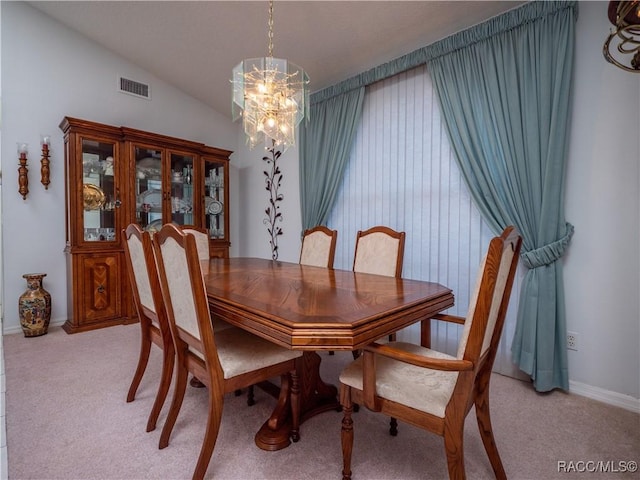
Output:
x=486 y=433
x=453 y=445
x=295 y=406
x=145 y=348
x=168 y=360
x=176 y=403
x=347 y=432
x=393 y=427
x=211 y=433
x=392 y=337
x=251 y=399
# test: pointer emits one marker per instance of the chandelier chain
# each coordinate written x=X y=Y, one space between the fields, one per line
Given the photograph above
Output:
x=271 y=28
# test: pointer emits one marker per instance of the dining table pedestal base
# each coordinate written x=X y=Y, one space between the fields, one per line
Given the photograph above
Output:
x=315 y=397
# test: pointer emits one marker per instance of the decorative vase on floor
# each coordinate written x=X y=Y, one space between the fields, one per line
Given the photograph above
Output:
x=34 y=306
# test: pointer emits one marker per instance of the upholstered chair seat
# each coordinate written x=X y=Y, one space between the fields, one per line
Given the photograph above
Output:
x=241 y=352
x=416 y=387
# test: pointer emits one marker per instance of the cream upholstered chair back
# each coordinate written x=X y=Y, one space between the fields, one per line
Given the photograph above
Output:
x=202 y=240
x=493 y=276
x=379 y=250
x=138 y=266
x=318 y=247
x=176 y=279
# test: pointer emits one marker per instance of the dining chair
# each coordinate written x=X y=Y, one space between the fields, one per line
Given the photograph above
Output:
x=202 y=239
x=433 y=390
x=224 y=360
x=201 y=236
x=318 y=247
x=379 y=250
x=154 y=325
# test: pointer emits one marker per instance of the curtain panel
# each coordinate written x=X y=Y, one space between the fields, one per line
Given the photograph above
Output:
x=402 y=173
x=506 y=103
x=325 y=144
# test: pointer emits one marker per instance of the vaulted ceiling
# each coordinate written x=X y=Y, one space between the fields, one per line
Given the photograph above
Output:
x=194 y=45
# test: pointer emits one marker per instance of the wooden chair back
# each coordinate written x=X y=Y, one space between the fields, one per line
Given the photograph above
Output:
x=379 y=250
x=318 y=247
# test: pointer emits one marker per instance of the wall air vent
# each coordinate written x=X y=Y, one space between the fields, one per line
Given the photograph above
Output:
x=131 y=87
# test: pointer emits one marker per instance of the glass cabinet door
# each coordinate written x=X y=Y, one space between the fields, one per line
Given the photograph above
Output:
x=214 y=189
x=99 y=191
x=148 y=190
x=182 y=188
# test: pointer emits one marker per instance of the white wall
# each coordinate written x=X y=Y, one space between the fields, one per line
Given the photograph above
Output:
x=51 y=72
x=255 y=199
x=602 y=274
x=48 y=73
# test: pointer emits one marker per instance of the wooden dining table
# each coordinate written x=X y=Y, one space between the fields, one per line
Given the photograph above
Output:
x=313 y=309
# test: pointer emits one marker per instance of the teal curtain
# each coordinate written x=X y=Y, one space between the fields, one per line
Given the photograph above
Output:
x=505 y=99
x=325 y=145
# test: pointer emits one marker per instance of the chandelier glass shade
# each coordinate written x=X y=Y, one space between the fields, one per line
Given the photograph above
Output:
x=271 y=95
x=622 y=46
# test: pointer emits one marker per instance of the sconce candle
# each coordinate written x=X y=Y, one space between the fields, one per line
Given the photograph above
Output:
x=23 y=181
x=44 y=169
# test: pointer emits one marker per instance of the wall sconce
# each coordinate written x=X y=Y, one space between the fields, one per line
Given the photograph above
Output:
x=23 y=181
x=625 y=16
x=45 y=140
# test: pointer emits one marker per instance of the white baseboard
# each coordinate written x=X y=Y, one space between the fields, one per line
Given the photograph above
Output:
x=18 y=328
x=606 y=396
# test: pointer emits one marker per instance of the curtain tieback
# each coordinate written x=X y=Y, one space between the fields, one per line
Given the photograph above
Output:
x=549 y=253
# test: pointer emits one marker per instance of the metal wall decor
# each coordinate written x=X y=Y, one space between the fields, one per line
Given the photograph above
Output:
x=273 y=179
x=622 y=47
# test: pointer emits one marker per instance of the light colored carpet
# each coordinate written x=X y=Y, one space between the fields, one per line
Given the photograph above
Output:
x=67 y=418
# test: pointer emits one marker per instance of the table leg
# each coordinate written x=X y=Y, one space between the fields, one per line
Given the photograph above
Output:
x=316 y=397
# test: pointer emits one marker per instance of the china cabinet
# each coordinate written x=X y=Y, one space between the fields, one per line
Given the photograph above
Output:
x=119 y=175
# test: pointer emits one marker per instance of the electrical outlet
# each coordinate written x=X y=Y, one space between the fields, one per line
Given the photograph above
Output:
x=572 y=341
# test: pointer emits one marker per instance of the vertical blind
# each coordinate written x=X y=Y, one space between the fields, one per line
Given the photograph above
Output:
x=402 y=174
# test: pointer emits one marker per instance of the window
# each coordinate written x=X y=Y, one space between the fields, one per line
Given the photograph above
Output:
x=402 y=173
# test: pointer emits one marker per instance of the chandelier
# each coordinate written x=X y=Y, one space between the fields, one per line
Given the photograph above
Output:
x=272 y=97
x=625 y=16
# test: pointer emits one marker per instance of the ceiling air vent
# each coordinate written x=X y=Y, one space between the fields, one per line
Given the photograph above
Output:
x=134 y=88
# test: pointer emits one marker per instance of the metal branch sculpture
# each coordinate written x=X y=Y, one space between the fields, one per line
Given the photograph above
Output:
x=273 y=180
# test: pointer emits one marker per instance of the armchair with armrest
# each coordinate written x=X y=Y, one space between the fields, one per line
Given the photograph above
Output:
x=433 y=390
